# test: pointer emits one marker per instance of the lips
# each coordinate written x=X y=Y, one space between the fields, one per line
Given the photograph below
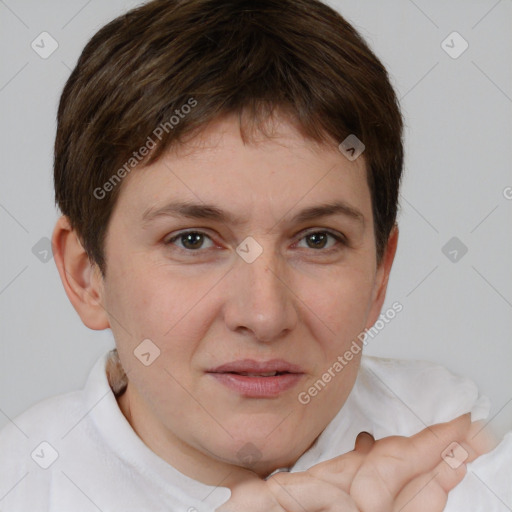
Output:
x=250 y=367
x=253 y=379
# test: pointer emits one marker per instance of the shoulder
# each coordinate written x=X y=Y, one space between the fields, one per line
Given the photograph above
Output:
x=31 y=444
x=408 y=395
x=54 y=416
x=47 y=417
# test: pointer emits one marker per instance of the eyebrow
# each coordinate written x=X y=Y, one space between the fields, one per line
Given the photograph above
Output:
x=211 y=212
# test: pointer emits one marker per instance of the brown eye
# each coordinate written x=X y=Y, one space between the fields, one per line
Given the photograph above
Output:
x=318 y=240
x=190 y=240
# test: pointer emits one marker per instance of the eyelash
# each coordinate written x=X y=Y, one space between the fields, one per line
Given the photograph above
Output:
x=337 y=236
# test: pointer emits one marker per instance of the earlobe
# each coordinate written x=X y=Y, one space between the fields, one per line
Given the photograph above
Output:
x=81 y=279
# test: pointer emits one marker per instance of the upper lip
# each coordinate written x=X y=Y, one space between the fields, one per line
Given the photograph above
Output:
x=252 y=366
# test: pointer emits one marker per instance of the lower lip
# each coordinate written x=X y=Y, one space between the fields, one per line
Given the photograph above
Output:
x=258 y=387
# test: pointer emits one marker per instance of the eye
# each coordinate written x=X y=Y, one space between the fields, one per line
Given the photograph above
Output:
x=190 y=240
x=319 y=239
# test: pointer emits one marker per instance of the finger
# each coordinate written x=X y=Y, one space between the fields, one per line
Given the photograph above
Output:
x=419 y=453
x=481 y=437
x=429 y=492
x=364 y=442
x=395 y=461
x=456 y=454
x=340 y=470
x=424 y=450
x=251 y=495
x=296 y=492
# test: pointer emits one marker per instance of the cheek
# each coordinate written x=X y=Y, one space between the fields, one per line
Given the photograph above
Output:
x=340 y=307
x=337 y=315
x=142 y=305
x=172 y=310
x=137 y=301
x=146 y=306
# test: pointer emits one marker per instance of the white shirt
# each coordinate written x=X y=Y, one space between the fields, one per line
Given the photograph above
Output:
x=76 y=452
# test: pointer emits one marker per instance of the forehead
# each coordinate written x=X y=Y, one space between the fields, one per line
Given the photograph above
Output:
x=217 y=175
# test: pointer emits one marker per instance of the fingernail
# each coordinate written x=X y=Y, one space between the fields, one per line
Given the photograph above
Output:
x=364 y=442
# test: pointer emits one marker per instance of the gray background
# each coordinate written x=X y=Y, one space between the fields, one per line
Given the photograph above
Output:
x=458 y=160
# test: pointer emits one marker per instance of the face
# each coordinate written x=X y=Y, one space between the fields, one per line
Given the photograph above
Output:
x=251 y=281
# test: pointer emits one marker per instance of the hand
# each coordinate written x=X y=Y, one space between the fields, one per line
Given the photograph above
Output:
x=392 y=474
x=298 y=492
x=405 y=474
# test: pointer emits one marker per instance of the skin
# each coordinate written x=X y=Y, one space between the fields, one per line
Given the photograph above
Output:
x=393 y=474
x=296 y=301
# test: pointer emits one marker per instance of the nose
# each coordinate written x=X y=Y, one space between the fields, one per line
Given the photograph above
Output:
x=260 y=300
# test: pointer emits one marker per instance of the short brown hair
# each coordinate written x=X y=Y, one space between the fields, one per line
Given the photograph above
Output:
x=224 y=57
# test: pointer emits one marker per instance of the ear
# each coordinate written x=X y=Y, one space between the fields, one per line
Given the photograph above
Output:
x=82 y=280
x=382 y=277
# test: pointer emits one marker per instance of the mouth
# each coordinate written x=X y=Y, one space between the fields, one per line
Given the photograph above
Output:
x=253 y=379
x=267 y=374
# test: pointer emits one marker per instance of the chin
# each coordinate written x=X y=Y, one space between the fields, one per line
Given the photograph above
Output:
x=261 y=442
x=263 y=455
x=251 y=458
